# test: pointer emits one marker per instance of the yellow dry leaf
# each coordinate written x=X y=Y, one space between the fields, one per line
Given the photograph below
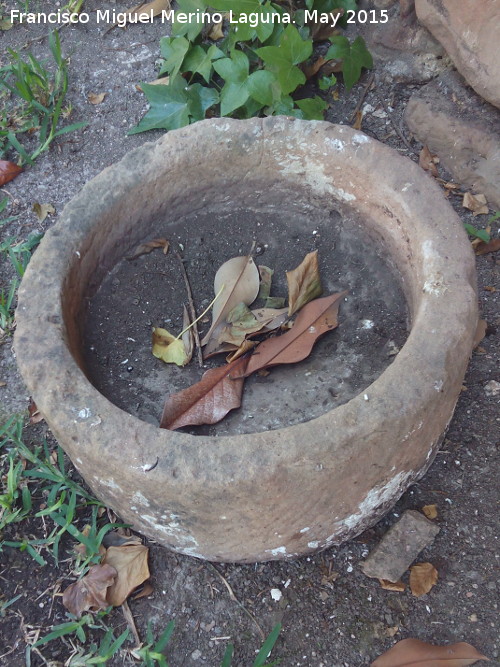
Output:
x=475 y=203
x=168 y=348
x=216 y=31
x=423 y=577
x=304 y=283
x=430 y=511
x=96 y=98
x=43 y=210
x=131 y=564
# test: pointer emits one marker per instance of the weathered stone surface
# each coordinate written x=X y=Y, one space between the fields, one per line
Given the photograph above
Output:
x=403 y=50
x=462 y=129
x=469 y=31
x=400 y=546
x=280 y=493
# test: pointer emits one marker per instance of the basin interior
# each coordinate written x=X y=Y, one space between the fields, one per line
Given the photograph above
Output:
x=133 y=296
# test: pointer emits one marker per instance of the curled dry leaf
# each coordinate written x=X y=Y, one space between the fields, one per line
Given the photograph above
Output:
x=90 y=591
x=314 y=67
x=315 y=319
x=430 y=511
x=423 y=577
x=149 y=246
x=483 y=248
x=216 y=32
x=304 y=283
x=187 y=336
x=396 y=586
x=43 y=210
x=416 y=653
x=8 y=171
x=476 y=203
x=34 y=413
x=96 y=98
x=130 y=562
x=169 y=348
x=237 y=281
x=428 y=161
x=209 y=400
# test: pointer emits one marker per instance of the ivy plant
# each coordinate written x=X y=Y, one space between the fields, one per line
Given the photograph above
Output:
x=253 y=65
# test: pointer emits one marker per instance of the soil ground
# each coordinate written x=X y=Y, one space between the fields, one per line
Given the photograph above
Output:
x=328 y=620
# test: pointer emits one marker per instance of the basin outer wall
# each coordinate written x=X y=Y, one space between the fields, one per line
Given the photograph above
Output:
x=282 y=493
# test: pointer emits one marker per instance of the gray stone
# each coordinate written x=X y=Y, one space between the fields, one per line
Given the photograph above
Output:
x=463 y=130
x=271 y=494
x=400 y=546
x=468 y=30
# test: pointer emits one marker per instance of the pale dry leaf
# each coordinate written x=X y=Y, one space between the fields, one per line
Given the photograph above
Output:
x=169 y=348
x=395 y=586
x=148 y=8
x=209 y=400
x=162 y=81
x=130 y=562
x=149 y=246
x=145 y=591
x=423 y=577
x=358 y=121
x=314 y=320
x=392 y=630
x=2 y=383
x=43 y=210
x=245 y=347
x=484 y=248
x=428 y=161
x=237 y=281
x=216 y=32
x=416 y=653
x=475 y=203
x=266 y=277
x=430 y=511
x=90 y=591
x=272 y=318
x=304 y=283
x=96 y=98
x=34 y=413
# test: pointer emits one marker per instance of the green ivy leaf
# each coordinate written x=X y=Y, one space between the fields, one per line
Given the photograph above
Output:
x=354 y=57
x=234 y=71
x=200 y=61
x=313 y=107
x=262 y=87
x=174 y=50
x=174 y=105
x=191 y=29
x=340 y=48
x=238 y=6
x=282 y=59
x=326 y=82
x=360 y=53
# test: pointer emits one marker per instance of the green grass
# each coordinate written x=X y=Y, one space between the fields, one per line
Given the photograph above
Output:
x=32 y=98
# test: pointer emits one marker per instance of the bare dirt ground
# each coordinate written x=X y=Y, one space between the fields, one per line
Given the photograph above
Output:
x=332 y=614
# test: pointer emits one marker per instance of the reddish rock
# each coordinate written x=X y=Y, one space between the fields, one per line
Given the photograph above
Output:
x=469 y=31
x=462 y=129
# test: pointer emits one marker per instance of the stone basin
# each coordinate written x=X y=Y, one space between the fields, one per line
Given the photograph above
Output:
x=273 y=494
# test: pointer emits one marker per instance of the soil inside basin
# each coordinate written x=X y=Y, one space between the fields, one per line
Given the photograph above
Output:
x=150 y=291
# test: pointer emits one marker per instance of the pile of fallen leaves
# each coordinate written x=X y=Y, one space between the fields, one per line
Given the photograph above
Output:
x=123 y=567
x=254 y=338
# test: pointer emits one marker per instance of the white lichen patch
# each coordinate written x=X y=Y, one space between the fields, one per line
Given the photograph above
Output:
x=360 y=139
x=435 y=285
x=304 y=530
x=276 y=552
x=110 y=483
x=313 y=545
x=140 y=499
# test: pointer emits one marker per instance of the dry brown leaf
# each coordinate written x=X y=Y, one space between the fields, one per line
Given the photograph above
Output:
x=43 y=210
x=430 y=511
x=475 y=203
x=396 y=586
x=358 y=121
x=209 y=400
x=237 y=281
x=90 y=591
x=266 y=278
x=130 y=561
x=245 y=347
x=423 y=577
x=482 y=325
x=187 y=336
x=315 y=319
x=392 y=630
x=215 y=33
x=304 y=283
x=145 y=591
x=2 y=383
x=96 y=98
x=484 y=248
x=313 y=68
x=324 y=30
x=271 y=318
x=117 y=538
x=416 y=653
x=34 y=413
x=150 y=8
x=8 y=171
x=162 y=81
x=149 y=246
x=428 y=161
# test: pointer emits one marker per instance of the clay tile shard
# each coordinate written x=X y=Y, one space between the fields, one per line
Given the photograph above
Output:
x=400 y=546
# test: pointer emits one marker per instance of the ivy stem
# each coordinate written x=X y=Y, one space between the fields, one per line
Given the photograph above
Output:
x=203 y=313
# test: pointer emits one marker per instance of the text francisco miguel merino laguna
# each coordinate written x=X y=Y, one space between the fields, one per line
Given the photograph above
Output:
x=122 y=18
